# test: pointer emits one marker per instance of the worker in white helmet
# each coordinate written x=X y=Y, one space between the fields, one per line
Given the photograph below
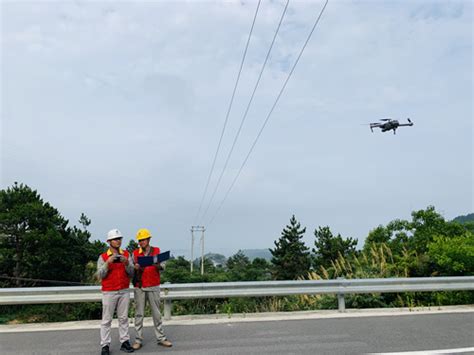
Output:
x=114 y=269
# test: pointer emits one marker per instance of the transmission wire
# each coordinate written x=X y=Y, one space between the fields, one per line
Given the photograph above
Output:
x=269 y=114
x=227 y=114
x=246 y=112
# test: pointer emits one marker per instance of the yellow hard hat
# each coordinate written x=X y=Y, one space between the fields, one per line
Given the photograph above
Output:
x=143 y=234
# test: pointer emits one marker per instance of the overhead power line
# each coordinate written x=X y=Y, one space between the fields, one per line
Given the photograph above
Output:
x=246 y=112
x=269 y=113
x=227 y=114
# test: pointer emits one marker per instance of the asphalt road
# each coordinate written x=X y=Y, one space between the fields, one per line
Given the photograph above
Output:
x=314 y=336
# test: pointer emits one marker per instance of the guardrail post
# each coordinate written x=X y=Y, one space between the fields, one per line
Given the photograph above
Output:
x=341 y=302
x=168 y=304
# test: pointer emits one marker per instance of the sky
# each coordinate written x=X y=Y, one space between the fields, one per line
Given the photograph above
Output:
x=115 y=109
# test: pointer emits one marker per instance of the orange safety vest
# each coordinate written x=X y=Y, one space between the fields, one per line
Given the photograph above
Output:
x=150 y=274
x=117 y=278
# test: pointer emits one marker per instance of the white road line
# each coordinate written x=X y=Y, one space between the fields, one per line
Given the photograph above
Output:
x=429 y=352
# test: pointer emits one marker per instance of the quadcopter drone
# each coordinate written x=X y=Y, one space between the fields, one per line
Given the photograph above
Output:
x=388 y=124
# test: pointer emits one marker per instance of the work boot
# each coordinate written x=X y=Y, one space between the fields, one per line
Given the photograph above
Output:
x=166 y=343
x=137 y=345
x=126 y=347
x=105 y=350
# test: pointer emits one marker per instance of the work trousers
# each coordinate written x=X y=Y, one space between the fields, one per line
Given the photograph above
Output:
x=111 y=301
x=153 y=297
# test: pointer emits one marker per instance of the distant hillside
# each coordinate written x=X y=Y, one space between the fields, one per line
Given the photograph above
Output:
x=257 y=253
x=464 y=219
x=216 y=259
x=219 y=259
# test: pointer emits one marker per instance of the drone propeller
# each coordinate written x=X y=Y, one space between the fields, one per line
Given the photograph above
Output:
x=409 y=120
x=385 y=119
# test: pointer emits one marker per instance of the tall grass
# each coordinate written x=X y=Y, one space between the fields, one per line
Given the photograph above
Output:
x=379 y=262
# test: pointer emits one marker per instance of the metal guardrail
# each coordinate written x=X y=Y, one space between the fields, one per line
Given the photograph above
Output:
x=170 y=292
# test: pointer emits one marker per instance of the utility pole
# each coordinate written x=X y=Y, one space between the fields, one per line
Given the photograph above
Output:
x=197 y=229
x=192 y=248
x=202 y=251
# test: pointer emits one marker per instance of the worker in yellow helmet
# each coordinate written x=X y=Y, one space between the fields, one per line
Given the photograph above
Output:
x=147 y=287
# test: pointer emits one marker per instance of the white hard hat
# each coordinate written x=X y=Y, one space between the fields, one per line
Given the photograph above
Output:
x=114 y=234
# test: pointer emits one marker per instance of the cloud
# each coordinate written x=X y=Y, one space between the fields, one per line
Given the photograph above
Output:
x=115 y=109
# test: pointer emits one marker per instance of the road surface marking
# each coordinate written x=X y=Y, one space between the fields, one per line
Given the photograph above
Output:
x=429 y=352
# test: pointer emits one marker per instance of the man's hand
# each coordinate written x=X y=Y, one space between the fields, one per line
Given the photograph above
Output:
x=124 y=260
x=137 y=266
x=111 y=259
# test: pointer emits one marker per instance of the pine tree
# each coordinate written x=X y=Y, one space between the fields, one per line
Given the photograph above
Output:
x=132 y=245
x=238 y=266
x=36 y=242
x=291 y=257
x=328 y=247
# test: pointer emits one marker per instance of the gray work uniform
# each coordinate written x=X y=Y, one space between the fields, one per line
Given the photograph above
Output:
x=141 y=295
x=111 y=301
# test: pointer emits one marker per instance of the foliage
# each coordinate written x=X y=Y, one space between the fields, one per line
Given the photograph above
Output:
x=380 y=262
x=58 y=312
x=428 y=223
x=291 y=257
x=178 y=271
x=409 y=240
x=453 y=255
x=37 y=243
x=237 y=266
x=259 y=270
x=132 y=245
x=328 y=247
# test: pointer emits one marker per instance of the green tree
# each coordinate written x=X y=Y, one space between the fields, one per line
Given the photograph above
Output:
x=409 y=240
x=132 y=245
x=84 y=221
x=238 y=266
x=395 y=234
x=453 y=255
x=469 y=226
x=36 y=241
x=291 y=257
x=425 y=225
x=328 y=247
x=259 y=270
x=415 y=234
x=177 y=270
